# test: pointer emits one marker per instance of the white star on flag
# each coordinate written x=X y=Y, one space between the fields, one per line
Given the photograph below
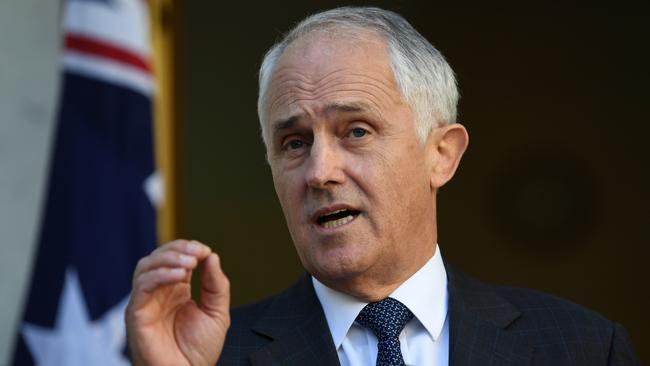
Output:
x=76 y=340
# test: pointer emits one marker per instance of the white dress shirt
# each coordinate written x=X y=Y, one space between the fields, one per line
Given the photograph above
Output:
x=425 y=338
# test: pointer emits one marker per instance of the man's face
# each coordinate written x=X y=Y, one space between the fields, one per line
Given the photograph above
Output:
x=351 y=175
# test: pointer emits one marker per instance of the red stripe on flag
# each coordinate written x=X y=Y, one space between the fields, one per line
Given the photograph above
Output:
x=105 y=50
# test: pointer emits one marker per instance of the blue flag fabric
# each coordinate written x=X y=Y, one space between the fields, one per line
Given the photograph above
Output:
x=99 y=218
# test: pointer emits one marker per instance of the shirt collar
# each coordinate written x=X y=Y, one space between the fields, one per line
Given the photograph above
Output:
x=424 y=293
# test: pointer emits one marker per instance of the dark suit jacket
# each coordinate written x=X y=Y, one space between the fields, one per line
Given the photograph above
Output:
x=488 y=325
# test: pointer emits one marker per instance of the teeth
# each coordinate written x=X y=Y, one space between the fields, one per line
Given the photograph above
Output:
x=338 y=222
x=337 y=211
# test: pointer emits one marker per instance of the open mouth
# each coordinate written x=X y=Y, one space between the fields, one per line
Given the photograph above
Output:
x=337 y=218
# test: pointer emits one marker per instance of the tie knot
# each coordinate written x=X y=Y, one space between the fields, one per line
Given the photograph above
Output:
x=385 y=318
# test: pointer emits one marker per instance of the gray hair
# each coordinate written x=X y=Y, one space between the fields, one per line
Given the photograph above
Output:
x=424 y=78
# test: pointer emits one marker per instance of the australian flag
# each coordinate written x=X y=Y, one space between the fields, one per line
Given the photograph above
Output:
x=99 y=216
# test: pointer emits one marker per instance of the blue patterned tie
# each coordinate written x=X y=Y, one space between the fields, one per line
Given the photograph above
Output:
x=386 y=319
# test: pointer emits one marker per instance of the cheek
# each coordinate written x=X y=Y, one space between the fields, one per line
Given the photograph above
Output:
x=290 y=194
x=395 y=180
x=282 y=190
x=383 y=177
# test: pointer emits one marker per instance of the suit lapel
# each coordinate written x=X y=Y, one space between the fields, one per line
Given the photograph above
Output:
x=296 y=324
x=479 y=317
x=478 y=321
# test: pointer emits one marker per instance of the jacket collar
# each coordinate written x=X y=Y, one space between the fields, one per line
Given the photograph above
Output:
x=479 y=319
x=296 y=324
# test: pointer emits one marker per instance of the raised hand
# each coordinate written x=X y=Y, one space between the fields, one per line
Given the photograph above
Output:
x=164 y=325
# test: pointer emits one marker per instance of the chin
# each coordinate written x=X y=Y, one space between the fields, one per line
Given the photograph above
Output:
x=335 y=258
x=338 y=272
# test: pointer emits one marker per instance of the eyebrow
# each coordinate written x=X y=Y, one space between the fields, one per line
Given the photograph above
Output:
x=287 y=123
x=345 y=107
x=284 y=124
x=353 y=107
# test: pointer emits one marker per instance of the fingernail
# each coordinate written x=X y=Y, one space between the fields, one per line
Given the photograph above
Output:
x=193 y=247
x=186 y=259
x=177 y=271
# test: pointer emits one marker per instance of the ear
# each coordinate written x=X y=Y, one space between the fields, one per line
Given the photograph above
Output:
x=447 y=145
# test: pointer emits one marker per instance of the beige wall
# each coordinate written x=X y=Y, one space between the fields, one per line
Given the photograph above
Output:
x=29 y=46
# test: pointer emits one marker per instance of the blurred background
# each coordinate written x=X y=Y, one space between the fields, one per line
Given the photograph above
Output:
x=552 y=193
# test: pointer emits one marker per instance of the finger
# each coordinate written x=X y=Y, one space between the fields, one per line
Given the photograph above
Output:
x=189 y=247
x=151 y=280
x=164 y=256
x=146 y=283
x=171 y=259
x=215 y=288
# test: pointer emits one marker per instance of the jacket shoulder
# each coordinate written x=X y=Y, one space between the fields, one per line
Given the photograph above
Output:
x=254 y=326
x=240 y=340
x=542 y=309
x=246 y=315
x=561 y=326
x=553 y=309
x=559 y=330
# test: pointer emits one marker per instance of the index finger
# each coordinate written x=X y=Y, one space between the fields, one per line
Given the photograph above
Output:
x=182 y=248
x=189 y=247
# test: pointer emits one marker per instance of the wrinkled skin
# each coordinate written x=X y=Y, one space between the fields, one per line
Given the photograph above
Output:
x=164 y=325
x=340 y=136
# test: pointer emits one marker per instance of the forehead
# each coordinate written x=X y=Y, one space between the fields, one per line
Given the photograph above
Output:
x=319 y=70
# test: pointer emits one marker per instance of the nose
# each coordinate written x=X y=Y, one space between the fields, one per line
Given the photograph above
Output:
x=325 y=165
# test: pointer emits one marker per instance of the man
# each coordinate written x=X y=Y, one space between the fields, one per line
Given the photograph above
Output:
x=358 y=113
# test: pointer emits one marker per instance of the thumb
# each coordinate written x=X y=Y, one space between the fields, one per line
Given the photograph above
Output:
x=215 y=288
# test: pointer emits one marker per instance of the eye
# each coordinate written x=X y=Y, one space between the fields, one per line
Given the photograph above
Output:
x=358 y=132
x=294 y=144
